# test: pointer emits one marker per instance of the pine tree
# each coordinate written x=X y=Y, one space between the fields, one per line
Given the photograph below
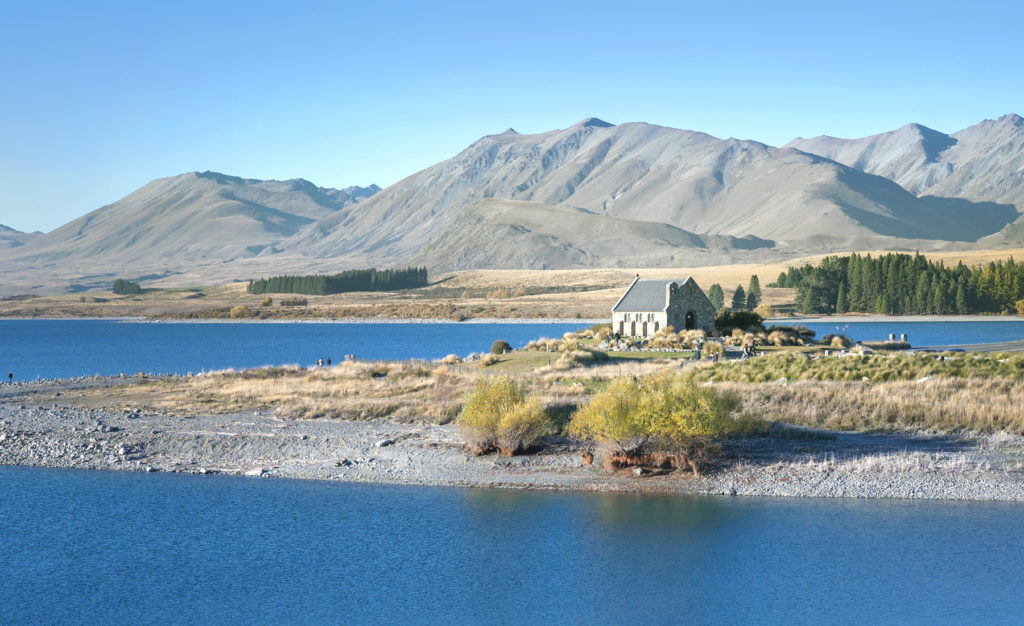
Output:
x=739 y=299
x=961 y=300
x=841 y=304
x=716 y=296
x=753 y=291
x=807 y=303
x=752 y=301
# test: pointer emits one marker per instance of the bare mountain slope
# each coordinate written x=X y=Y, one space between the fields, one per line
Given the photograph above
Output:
x=11 y=238
x=188 y=218
x=641 y=172
x=984 y=162
x=514 y=234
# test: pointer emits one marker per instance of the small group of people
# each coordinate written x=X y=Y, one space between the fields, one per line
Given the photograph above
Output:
x=320 y=362
x=748 y=351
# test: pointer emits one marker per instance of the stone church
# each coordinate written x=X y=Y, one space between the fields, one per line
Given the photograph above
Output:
x=651 y=304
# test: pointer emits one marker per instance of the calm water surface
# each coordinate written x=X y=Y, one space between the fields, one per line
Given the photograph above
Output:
x=68 y=348
x=925 y=333
x=98 y=547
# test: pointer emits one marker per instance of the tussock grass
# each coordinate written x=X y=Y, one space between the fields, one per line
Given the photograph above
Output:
x=944 y=405
x=874 y=368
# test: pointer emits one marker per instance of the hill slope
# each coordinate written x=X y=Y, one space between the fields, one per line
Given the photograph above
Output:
x=590 y=195
x=641 y=172
x=190 y=217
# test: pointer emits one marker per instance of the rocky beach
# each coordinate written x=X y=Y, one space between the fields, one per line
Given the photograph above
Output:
x=39 y=428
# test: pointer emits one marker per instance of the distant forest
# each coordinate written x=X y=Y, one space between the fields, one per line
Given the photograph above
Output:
x=895 y=284
x=351 y=280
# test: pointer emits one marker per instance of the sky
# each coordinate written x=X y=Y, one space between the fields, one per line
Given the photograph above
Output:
x=98 y=98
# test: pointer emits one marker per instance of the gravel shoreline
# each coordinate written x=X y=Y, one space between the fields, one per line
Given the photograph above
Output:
x=35 y=431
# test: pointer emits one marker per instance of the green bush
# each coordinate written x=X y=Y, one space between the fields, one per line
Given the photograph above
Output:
x=500 y=347
x=124 y=287
x=726 y=321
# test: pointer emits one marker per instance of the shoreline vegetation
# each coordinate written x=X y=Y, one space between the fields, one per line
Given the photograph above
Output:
x=582 y=412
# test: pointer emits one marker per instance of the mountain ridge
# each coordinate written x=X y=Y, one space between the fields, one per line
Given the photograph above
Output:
x=593 y=194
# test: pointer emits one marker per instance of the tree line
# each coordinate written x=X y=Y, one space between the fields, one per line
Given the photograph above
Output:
x=350 y=280
x=742 y=300
x=895 y=284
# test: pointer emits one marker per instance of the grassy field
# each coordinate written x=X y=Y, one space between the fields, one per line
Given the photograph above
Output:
x=468 y=294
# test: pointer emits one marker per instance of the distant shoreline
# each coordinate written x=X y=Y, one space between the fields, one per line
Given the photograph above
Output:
x=846 y=319
x=324 y=320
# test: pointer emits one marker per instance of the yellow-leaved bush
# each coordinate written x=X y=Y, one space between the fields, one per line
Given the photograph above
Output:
x=665 y=418
x=497 y=414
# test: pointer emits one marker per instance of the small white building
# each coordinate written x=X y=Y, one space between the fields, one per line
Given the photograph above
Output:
x=651 y=304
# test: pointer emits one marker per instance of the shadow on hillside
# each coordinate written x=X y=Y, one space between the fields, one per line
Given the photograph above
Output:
x=976 y=219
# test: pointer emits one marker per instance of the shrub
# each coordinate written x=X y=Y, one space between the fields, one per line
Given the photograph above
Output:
x=124 y=287
x=837 y=341
x=488 y=360
x=294 y=302
x=664 y=419
x=499 y=294
x=268 y=301
x=522 y=426
x=452 y=359
x=726 y=321
x=497 y=413
x=241 y=312
x=500 y=347
x=712 y=348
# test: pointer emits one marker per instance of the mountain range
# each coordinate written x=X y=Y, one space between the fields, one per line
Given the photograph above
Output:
x=591 y=195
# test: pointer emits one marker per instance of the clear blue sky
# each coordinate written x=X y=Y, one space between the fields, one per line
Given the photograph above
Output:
x=99 y=98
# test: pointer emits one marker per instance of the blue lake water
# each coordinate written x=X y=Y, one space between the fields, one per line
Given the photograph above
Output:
x=99 y=547
x=926 y=333
x=66 y=348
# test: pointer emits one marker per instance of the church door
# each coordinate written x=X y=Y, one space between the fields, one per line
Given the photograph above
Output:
x=691 y=322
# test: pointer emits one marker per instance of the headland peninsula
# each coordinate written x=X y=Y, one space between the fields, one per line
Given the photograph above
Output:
x=875 y=425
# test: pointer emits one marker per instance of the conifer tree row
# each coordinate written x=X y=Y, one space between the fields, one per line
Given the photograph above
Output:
x=351 y=280
x=895 y=284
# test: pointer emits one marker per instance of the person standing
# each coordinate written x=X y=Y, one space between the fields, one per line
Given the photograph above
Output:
x=10 y=377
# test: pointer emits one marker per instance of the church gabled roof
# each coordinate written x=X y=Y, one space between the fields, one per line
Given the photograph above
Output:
x=646 y=294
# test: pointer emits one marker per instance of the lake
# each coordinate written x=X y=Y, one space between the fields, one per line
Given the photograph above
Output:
x=67 y=348
x=922 y=332
x=105 y=547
